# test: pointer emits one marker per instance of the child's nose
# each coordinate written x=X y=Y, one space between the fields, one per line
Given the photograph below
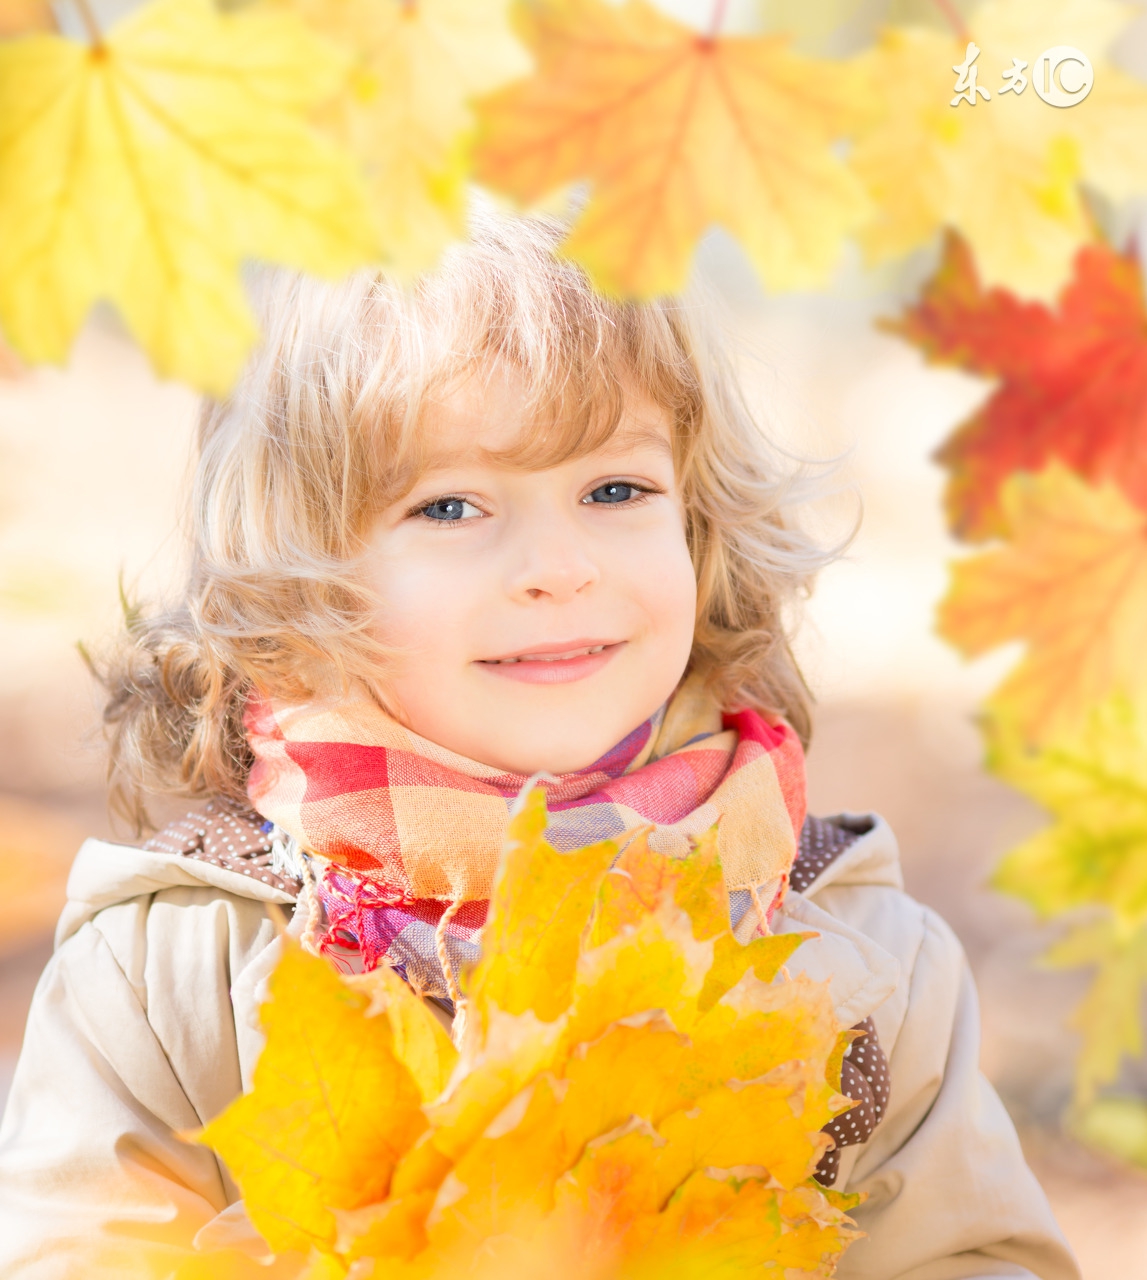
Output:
x=553 y=568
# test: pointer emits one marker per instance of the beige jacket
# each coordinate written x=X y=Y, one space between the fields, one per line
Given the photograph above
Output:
x=144 y=1023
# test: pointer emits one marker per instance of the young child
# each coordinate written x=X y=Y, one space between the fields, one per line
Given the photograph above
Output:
x=446 y=539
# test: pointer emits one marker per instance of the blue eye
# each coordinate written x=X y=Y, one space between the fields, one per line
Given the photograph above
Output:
x=616 y=491
x=449 y=509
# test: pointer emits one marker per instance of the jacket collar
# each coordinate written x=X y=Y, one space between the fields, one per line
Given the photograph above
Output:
x=872 y=857
x=860 y=973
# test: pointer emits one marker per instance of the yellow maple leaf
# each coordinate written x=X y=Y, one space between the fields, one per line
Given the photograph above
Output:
x=771 y=1123
x=225 y=1264
x=1106 y=128
x=676 y=132
x=405 y=109
x=1109 y=1018
x=1116 y=1125
x=759 y=1027
x=651 y=1064
x=576 y=1134
x=330 y=1113
x=1094 y=855
x=418 y=1039
x=724 y=1212
x=1093 y=781
x=1006 y=172
x=1072 y=583
x=143 y=170
x=732 y=960
x=395 y=1228
x=539 y=908
x=637 y=882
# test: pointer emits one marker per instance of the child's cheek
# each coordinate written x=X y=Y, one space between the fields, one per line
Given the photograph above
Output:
x=424 y=599
x=660 y=574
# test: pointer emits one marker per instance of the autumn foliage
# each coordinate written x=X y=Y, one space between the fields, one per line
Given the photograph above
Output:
x=143 y=172
x=1071 y=381
x=141 y=165
x=144 y=164
x=634 y=1094
x=1070 y=581
x=1052 y=466
x=1090 y=865
x=676 y=132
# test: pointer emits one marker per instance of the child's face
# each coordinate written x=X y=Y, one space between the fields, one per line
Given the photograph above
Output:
x=579 y=572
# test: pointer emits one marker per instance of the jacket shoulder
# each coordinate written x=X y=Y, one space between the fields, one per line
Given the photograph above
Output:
x=862 y=888
x=216 y=848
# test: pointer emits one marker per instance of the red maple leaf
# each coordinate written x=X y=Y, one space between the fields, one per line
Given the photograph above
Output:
x=1073 y=380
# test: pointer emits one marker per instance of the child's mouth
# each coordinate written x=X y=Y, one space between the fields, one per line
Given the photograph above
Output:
x=554 y=666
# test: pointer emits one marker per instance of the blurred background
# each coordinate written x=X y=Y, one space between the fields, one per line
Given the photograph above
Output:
x=92 y=460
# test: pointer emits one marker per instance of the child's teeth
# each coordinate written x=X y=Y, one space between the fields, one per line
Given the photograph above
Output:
x=551 y=657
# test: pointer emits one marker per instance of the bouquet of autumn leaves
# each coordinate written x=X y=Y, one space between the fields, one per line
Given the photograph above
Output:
x=633 y=1095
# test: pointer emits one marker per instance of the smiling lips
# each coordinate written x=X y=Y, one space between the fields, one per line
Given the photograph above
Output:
x=554 y=666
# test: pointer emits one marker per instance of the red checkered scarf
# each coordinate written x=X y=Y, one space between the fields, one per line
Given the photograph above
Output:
x=403 y=836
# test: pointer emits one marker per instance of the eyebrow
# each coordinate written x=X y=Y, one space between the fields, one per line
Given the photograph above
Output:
x=622 y=440
x=635 y=437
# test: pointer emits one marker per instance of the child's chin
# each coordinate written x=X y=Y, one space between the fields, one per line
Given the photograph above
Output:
x=557 y=744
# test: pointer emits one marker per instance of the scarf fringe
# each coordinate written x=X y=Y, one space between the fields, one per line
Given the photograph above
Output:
x=443 y=955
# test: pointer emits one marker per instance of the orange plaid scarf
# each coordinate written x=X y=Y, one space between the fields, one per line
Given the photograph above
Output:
x=401 y=826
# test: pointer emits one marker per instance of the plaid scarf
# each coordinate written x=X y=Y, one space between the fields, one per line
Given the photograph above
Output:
x=402 y=837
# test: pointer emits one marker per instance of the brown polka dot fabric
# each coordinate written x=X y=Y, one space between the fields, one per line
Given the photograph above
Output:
x=864 y=1076
x=822 y=841
x=227 y=835
x=864 y=1079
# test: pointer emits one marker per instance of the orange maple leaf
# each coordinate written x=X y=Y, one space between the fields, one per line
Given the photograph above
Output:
x=18 y=17
x=1072 y=583
x=1073 y=380
x=676 y=131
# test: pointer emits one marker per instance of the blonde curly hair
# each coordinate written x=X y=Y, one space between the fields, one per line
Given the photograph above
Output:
x=322 y=433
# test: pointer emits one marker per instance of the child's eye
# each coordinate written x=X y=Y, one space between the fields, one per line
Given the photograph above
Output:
x=449 y=510
x=615 y=491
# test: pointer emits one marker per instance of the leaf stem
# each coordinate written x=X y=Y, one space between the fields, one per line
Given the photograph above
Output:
x=91 y=25
x=717 y=18
x=953 y=18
